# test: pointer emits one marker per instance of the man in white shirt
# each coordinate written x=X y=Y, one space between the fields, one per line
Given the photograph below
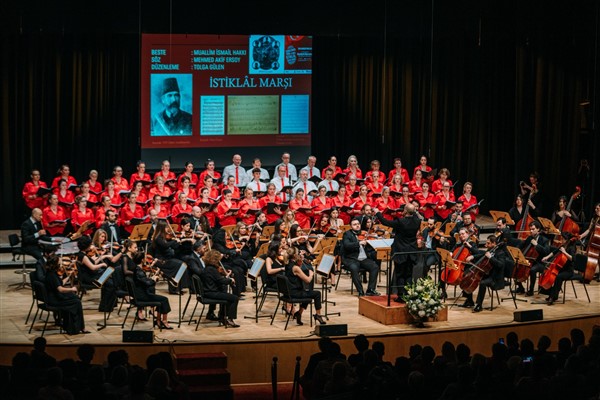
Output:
x=236 y=170
x=290 y=169
x=258 y=187
x=310 y=167
x=328 y=182
x=306 y=185
x=264 y=174
x=280 y=182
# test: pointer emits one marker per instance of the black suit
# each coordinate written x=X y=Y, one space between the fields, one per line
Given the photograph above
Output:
x=197 y=267
x=30 y=238
x=351 y=252
x=110 y=237
x=405 y=240
x=542 y=248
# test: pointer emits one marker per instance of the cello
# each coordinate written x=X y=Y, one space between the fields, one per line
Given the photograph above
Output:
x=478 y=271
x=559 y=260
x=453 y=276
x=566 y=223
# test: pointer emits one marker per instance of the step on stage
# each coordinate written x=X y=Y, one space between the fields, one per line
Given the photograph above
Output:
x=258 y=342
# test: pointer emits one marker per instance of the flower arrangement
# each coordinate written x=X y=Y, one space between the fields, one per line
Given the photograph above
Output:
x=423 y=299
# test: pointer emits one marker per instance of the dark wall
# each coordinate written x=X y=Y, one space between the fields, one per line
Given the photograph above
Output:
x=489 y=89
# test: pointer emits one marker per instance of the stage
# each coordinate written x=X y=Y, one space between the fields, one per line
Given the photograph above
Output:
x=251 y=347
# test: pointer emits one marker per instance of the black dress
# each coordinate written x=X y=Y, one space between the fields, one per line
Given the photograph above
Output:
x=108 y=292
x=71 y=311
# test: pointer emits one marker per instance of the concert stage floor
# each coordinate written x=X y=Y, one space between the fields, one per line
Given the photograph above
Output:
x=251 y=347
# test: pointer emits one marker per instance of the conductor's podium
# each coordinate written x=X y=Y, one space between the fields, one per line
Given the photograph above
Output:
x=376 y=308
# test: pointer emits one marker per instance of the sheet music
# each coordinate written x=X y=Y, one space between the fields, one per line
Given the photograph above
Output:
x=294 y=113
x=256 y=268
x=325 y=265
x=252 y=115
x=212 y=115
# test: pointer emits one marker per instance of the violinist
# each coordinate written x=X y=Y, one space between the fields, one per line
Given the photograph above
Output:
x=81 y=214
x=567 y=271
x=181 y=210
x=121 y=183
x=468 y=200
x=245 y=245
x=232 y=259
x=405 y=229
x=205 y=204
x=398 y=170
x=163 y=249
x=144 y=287
x=140 y=176
x=298 y=278
x=224 y=213
x=355 y=259
x=427 y=201
x=495 y=278
x=186 y=238
x=271 y=197
x=197 y=267
x=301 y=207
x=322 y=226
x=438 y=184
x=274 y=264
x=30 y=190
x=131 y=210
x=188 y=173
x=353 y=168
x=106 y=253
x=54 y=217
x=208 y=171
x=95 y=185
x=335 y=221
x=90 y=266
x=305 y=244
x=64 y=298
x=289 y=219
x=535 y=241
x=215 y=282
x=248 y=207
x=468 y=224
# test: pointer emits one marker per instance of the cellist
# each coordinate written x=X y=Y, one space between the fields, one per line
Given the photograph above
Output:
x=567 y=271
x=495 y=278
x=535 y=241
x=462 y=253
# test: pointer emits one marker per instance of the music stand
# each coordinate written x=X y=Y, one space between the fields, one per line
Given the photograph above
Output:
x=254 y=273
x=323 y=270
x=99 y=283
x=384 y=247
x=175 y=282
x=140 y=232
x=548 y=226
x=518 y=258
x=502 y=214
x=448 y=228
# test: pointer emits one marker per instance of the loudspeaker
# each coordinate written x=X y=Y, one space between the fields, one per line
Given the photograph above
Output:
x=331 y=330
x=531 y=315
x=138 y=336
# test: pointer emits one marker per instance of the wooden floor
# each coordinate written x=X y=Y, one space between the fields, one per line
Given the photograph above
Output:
x=260 y=340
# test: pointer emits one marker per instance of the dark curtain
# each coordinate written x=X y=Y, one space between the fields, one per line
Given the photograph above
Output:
x=491 y=90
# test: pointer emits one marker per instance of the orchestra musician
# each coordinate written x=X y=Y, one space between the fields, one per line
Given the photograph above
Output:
x=30 y=191
x=90 y=266
x=186 y=238
x=210 y=171
x=95 y=185
x=517 y=211
x=108 y=252
x=305 y=244
x=405 y=240
x=257 y=164
x=297 y=278
x=495 y=278
x=197 y=267
x=140 y=176
x=290 y=169
x=199 y=222
x=64 y=297
x=236 y=170
x=111 y=226
x=121 y=183
x=541 y=245
x=352 y=167
x=567 y=271
x=188 y=173
x=274 y=264
x=311 y=168
x=355 y=259
x=163 y=248
x=464 y=241
x=81 y=214
x=168 y=176
x=531 y=189
x=431 y=238
x=375 y=167
x=562 y=212
x=131 y=210
x=398 y=170
x=144 y=287
x=216 y=281
x=335 y=221
x=54 y=217
x=32 y=232
x=593 y=222
x=64 y=173
x=232 y=259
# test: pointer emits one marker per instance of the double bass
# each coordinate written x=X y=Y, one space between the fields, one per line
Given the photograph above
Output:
x=566 y=223
x=523 y=224
x=478 y=271
x=593 y=253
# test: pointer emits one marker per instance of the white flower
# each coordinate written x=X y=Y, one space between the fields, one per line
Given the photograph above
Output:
x=421 y=313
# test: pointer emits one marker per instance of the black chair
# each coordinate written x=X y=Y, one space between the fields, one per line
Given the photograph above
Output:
x=284 y=294
x=135 y=303
x=201 y=299
x=17 y=252
x=41 y=299
x=33 y=297
x=579 y=265
x=265 y=290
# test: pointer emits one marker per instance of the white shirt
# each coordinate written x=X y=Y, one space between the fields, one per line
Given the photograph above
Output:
x=278 y=185
x=290 y=171
x=312 y=171
x=241 y=174
x=264 y=174
x=334 y=185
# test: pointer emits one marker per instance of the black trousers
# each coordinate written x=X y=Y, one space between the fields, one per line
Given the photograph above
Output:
x=232 y=303
x=308 y=294
x=355 y=266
